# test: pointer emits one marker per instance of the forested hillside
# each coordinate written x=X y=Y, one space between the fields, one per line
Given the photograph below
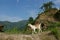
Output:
x=10 y=25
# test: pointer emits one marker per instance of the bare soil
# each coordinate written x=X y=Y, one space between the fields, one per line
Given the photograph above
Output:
x=39 y=36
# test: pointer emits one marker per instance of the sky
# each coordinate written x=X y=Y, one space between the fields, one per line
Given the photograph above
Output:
x=17 y=10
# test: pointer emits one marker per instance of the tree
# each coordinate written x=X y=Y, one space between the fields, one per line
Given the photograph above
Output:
x=30 y=20
x=27 y=29
x=47 y=6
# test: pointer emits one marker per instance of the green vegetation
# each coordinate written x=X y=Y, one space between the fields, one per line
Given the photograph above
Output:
x=54 y=28
x=13 y=31
x=57 y=15
x=47 y=6
x=13 y=27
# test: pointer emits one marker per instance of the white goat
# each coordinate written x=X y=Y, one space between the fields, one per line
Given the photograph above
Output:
x=34 y=27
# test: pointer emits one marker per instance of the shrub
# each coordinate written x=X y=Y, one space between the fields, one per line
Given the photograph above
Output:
x=57 y=15
x=13 y=30
x=53 y=28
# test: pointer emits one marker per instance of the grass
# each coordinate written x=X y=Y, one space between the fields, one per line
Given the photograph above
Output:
x=54 y=28
x=13 y=31
x=58 y=28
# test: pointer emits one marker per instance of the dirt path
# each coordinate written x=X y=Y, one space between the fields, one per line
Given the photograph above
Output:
x=39 y=36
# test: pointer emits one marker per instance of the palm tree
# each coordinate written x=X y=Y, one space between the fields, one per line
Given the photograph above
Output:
x=47 y=6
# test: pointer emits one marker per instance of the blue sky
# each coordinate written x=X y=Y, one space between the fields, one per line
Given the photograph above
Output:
x=16 y=10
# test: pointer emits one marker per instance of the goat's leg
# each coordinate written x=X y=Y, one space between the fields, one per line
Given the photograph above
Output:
x=40 y=30
x=33 y=31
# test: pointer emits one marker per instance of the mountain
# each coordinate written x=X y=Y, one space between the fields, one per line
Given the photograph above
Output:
x=9 y=25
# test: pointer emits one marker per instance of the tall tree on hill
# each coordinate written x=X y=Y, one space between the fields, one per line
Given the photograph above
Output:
x=47 y=6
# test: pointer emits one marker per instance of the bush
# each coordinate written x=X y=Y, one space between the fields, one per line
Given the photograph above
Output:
x=13 y=30
x=55 y=33
x=53 y=28
x=57 y=15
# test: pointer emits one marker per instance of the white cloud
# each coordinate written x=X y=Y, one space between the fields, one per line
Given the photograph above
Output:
x=9 y=18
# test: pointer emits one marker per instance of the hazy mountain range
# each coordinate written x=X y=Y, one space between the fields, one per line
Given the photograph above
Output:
x=9 y=25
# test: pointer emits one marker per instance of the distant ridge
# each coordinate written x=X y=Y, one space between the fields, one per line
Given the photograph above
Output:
x=10 y=25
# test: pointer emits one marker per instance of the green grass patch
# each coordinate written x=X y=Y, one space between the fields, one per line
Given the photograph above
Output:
x=13 y=31
x=55 y=28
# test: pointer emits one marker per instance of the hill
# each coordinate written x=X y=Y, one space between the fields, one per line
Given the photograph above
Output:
x=9 y=25
x=47 y=16
x=51 y=20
